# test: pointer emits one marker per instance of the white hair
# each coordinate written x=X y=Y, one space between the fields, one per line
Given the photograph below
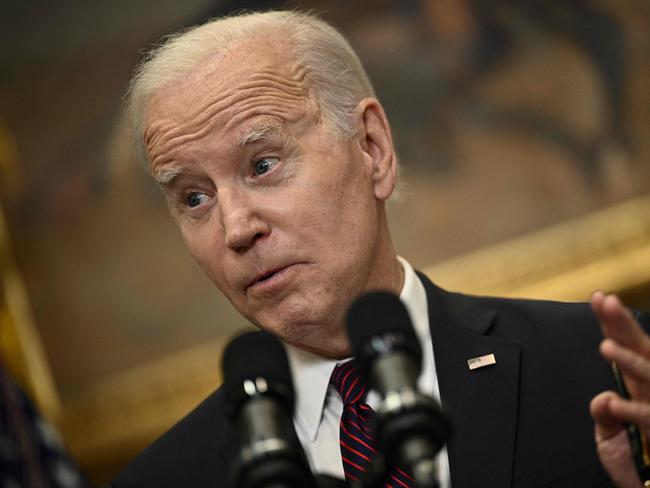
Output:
x=337 y=80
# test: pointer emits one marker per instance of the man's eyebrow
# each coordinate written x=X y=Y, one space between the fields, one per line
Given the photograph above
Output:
x=259 y=133
x=165 y=177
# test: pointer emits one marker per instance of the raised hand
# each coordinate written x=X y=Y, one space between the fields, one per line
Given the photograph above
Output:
x=626 y=344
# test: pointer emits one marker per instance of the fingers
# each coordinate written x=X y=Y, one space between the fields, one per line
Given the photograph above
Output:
x=628 y=346
x=616 y=456
x=610 y=412
x=632 y=411
x=618 y=323
x=612 y=442
x=634 y=365
x=625 y=343
x=607 y=424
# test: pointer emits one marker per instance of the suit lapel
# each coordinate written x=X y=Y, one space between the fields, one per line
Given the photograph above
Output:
x=481 y=403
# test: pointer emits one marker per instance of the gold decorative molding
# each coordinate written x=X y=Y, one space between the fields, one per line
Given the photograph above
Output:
x=108 y=423
x=607 y=249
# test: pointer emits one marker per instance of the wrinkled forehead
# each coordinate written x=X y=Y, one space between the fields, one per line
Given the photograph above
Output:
x=254 y=63
x=249 y=80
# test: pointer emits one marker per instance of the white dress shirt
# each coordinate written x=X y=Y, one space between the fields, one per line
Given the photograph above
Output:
x=319 y=407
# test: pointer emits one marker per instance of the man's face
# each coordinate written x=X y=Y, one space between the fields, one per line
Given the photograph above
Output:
x=281 y=215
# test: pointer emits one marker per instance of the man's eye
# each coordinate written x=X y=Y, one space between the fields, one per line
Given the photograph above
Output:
x=263 y=165
x=194 y=199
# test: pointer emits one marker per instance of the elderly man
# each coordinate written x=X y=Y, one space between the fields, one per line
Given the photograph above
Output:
x=276 y=159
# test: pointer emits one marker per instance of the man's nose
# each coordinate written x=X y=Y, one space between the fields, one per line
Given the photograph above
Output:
x=240 y=219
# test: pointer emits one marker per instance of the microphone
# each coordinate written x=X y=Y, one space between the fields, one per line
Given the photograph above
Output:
x=410 y=426
x=260 y=397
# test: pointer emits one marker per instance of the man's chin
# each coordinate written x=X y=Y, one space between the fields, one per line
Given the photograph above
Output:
x=301 y=324
x=315 y=339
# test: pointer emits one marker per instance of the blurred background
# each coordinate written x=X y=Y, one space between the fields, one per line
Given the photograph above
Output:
x=522 y=127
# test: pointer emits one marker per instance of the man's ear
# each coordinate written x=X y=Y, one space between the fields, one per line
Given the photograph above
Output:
x=376 y=142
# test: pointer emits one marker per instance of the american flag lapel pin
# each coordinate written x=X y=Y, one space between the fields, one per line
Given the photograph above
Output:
x=481 y=361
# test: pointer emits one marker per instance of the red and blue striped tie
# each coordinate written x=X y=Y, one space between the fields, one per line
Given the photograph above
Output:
x=356 y=436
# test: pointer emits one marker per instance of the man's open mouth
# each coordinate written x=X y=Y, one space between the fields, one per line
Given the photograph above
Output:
x=266 y=276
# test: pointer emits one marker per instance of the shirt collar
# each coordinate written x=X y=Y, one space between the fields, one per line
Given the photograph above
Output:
x=311 y=373
x=311 y=376
x=414 y=297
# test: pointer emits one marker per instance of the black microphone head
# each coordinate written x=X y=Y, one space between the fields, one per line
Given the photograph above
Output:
x=255 y=363
x=378 y=323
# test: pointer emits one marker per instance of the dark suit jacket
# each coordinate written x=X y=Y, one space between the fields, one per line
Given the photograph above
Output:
x=523 y=422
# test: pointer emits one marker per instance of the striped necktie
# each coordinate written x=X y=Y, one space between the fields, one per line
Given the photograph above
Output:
x=356 y=435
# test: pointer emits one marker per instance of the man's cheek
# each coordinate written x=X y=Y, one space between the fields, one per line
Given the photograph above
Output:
x=203 y=255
